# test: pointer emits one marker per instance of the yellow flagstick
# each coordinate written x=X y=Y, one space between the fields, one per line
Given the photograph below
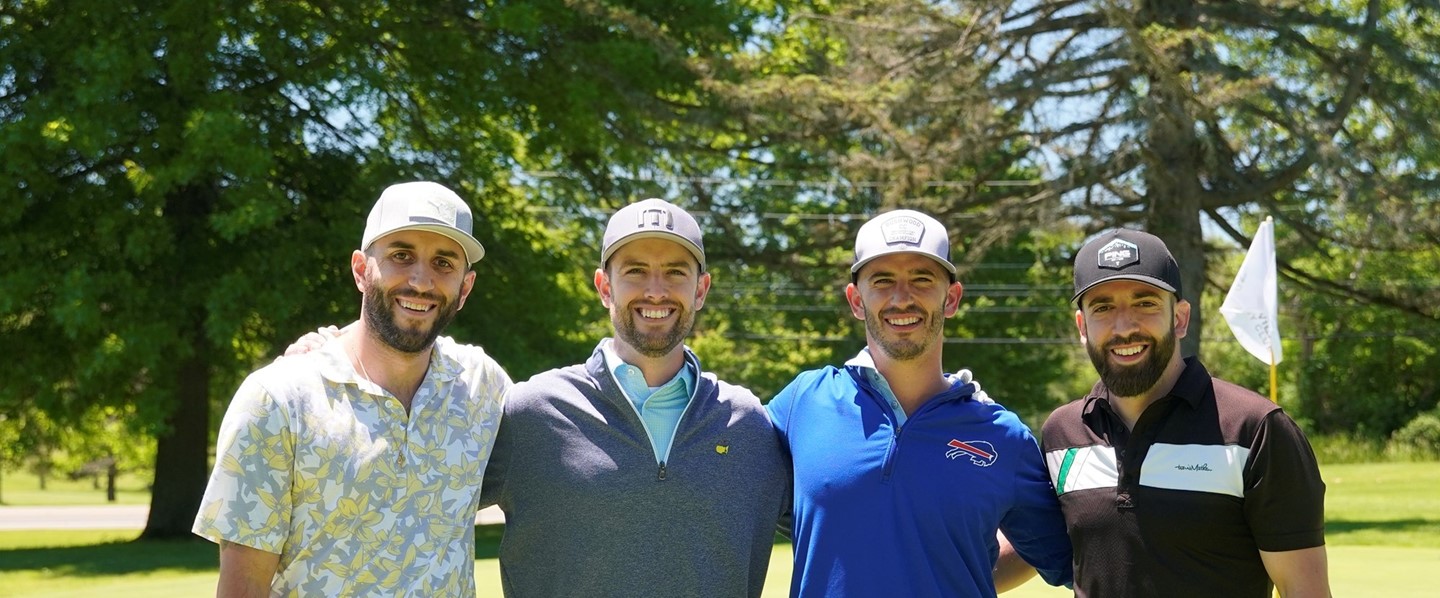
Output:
x=1272 y=377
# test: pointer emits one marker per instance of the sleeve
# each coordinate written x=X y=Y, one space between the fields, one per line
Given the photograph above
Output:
x=497 y=385
x=779 y=410
x=1034 y=524
x=1284 y=495
x=247 y=500
x=492 y=489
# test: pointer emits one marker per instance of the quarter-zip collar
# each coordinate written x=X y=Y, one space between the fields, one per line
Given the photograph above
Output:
x=862 y=368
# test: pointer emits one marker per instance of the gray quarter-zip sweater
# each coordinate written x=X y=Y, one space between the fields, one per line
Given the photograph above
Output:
x=590 y=512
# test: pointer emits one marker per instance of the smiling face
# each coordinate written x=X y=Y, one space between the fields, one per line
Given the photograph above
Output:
x=414 y=283
x=653 y=287
x=1130 y=330
x=904 y=299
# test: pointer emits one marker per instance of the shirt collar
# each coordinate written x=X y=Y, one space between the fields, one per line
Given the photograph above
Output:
x=864 y=362
x=1191 y=386
x=335 y=364
x=617 y=367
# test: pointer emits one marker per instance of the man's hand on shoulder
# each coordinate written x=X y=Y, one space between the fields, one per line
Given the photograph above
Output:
x=966 y=377
x=311 y=341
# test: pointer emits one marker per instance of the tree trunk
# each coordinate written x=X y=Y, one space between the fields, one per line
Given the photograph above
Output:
x=181 y=452
x=1174 y=163
x=110 y=474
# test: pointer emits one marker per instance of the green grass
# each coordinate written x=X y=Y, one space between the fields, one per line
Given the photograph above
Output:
x=23 y=489
x=1383 y=504
x=1382 y=530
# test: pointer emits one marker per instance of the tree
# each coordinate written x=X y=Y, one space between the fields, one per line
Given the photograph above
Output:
x=183 y=182
x=853 y=109
x=1162 y=114
x=1183 y=118
x=1222 y=108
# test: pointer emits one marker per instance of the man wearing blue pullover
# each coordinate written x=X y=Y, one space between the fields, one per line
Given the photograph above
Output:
x=902 y=475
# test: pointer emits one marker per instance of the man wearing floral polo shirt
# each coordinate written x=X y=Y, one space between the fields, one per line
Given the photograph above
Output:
x=355 y=469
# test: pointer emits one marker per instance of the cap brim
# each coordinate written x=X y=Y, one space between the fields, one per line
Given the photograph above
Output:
x=679 y=239
x=949 y=267
x=474 y=251
x=1150 y=280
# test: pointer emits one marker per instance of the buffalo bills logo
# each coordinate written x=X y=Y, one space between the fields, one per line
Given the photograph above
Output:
x=980 y=452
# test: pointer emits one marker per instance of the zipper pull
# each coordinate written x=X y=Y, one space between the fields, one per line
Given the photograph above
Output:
x=662 y=472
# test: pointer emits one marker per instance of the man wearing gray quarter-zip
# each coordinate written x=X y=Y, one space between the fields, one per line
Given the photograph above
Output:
x=636 y=473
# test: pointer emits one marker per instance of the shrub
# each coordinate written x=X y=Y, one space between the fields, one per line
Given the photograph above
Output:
x=1332 y=449
x=1419 y=439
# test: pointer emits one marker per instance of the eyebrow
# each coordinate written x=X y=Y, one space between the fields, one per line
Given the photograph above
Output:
x=442 y=252
x=926 y=270
x=673 y=264
x=1144 y=294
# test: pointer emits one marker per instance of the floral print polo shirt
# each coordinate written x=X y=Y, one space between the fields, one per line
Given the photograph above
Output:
x=357 y=497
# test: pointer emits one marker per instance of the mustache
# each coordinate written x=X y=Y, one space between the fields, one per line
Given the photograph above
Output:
x=400 y=293
x=895 y=311
x=644 y=303
x=1136 y=338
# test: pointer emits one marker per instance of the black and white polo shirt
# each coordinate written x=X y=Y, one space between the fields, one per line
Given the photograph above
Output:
x=1182 y=504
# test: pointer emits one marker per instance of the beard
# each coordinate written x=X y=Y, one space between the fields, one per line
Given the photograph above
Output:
x=380 y=317
x=656 y=344
x=1133 y=380
x=901 y=349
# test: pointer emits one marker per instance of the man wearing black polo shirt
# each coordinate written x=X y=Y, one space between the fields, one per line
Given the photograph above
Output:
x=1174 y=483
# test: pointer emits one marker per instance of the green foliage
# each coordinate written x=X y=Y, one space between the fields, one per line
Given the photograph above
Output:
x=1362 y=367
x=1344 y=448
x=183 y=186
x=1419 y=439
x=180 y=187
x=1016 y=329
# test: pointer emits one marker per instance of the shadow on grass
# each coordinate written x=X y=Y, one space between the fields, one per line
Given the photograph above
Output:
x=136 y=556
x=114 y=558
x=1415 y=525
x=487 y=540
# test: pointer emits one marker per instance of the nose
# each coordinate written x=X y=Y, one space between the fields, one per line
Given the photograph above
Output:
x=902 y=295
x=1125 y=322
x=655 y=287
x=421 y=279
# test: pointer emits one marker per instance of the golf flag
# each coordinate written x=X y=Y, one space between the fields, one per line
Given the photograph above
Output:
x=1252 y=306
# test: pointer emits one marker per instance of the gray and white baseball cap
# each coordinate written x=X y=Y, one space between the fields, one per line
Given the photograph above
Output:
x=427 y=206
x=653 y=219
x=902 y=231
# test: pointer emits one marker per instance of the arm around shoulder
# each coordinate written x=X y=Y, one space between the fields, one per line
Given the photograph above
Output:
x=1011 y=571
x=245 y=572
x=1300 y=573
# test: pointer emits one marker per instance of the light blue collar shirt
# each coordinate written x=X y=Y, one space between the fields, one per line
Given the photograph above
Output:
x=659 y=407
x=866 y=363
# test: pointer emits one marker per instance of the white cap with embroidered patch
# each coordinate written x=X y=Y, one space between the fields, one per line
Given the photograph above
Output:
x=902 y=231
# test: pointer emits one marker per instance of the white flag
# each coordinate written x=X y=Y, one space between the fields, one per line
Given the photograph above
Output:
x=1252 y=306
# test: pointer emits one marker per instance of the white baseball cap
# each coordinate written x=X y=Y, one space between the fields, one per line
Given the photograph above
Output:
x=902 y=231
x=427 y=206
x=653 y=219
